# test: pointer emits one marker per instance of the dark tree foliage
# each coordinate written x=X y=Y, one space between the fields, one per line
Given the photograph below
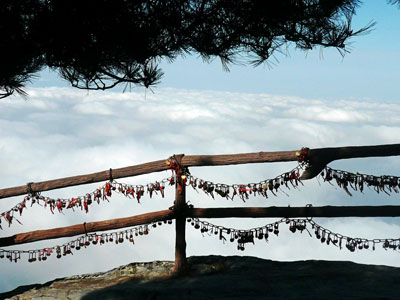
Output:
x=98 y=44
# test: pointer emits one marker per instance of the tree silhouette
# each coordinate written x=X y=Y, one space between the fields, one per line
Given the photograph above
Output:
x=98 y=44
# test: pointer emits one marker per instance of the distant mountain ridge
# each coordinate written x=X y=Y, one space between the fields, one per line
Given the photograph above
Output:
x=219 y=277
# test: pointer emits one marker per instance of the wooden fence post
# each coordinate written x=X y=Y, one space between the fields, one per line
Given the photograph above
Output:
x=180 y=223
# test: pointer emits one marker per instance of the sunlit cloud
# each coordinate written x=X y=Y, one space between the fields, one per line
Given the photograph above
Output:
x=64 y=132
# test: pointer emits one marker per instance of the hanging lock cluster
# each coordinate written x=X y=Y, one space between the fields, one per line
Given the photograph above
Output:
x=102 y=193
x=346 y=180
x=179 y=173
x=303 y=156
x=324 y=235
x=244 y=191
x=242 y=237
x=351 y=243
x=84 y=241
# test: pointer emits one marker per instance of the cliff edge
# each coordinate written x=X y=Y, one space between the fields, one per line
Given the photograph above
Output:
x=218 y=277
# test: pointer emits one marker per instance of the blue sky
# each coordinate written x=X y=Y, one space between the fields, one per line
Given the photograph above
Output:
x=370 y=71
x=199 y=109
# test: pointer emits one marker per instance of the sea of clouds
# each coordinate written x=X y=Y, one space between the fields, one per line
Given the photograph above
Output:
x=59 y=132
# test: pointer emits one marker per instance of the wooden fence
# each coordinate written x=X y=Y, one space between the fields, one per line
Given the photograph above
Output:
x=317 y=158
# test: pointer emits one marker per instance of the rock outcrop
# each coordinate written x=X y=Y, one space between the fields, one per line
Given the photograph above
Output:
x=217 y=277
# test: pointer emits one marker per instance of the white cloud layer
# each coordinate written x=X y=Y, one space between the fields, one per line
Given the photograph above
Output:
x=62 y=132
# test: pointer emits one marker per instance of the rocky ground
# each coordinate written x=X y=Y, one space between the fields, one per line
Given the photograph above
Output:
x=218 y=277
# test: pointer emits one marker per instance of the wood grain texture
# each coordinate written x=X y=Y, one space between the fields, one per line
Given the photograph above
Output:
x=150 y=167
x=180 y=225
x=236 y=159
x=38 y=235
x=319 y=158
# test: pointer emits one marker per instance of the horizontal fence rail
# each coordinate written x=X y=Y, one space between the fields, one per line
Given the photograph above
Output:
x=150 y=167
x=237 y=159
x=39 y=235
x=228 y=212
x=318 y=158
x=315 y=160
x=295 y=212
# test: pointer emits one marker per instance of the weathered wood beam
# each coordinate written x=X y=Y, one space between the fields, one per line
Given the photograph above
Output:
x=320 y=157
x=295 y=212
x=181 y=265
x=38 y=235
x=150 y=167
x=228 y=212
x=156 y=166
x=236 y=159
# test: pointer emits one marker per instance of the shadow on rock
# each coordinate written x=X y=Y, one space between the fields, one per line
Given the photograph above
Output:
x=216 y=277
x=233 y=277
